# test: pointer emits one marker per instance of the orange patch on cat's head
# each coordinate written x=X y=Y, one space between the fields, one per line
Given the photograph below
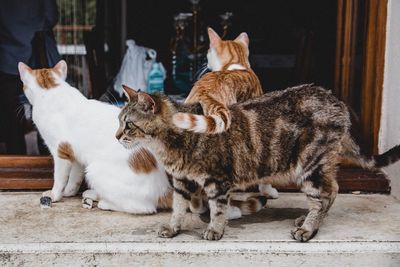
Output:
x=45 y=78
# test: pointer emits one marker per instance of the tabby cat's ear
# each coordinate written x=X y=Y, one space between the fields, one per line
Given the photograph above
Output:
x=130 y=93
x=147 y=103
x=61 y=69
x=23 y=70
x=243 y=38
x=214 y=37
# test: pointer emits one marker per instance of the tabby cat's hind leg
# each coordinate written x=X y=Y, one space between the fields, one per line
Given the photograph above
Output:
x=321 y=189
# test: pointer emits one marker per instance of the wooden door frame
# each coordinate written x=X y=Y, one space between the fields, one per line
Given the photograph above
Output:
x=373 y=64
x=27 y=172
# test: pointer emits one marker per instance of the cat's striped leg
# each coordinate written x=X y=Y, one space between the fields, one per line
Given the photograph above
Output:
x=62 y=168
x=218 y=199
x=321 y=189
x=180 y=204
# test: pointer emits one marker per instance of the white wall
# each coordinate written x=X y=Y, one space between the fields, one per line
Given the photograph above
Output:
x=389 y=134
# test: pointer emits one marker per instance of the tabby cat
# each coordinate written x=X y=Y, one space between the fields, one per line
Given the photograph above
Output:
x=294 y=135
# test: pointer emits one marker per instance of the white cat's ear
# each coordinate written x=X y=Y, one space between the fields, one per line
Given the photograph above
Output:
x=214 y=37
x=129 y=93
x=23 y=70
x=243 y=38
x=148 y=104
x=61 y=68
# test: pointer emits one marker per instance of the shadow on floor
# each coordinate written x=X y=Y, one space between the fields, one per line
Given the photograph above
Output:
x=264 y=216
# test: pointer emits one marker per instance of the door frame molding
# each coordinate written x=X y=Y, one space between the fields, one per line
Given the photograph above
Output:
x=373 y=63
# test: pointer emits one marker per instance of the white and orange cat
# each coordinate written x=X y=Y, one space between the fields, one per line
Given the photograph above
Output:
x=80 y=134
x=231 y=80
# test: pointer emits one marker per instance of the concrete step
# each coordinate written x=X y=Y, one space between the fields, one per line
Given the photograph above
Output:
x=361 y=230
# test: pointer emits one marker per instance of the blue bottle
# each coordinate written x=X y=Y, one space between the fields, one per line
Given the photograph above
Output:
x=156 y=79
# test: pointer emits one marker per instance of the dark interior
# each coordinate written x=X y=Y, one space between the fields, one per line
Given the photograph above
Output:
x=291 y=41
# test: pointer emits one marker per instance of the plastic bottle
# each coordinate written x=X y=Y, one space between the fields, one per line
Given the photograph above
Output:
x=156 y=79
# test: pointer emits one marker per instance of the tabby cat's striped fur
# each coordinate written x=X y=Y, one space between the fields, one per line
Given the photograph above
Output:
x=231 y=80
x=295 y=135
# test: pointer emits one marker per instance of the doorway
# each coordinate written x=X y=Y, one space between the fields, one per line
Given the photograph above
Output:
x=336 y=44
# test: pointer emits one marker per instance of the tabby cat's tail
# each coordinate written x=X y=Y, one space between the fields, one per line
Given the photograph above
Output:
x=351 y=156
x=212 y=124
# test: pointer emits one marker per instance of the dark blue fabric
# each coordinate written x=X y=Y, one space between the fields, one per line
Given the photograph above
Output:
x=19 y=21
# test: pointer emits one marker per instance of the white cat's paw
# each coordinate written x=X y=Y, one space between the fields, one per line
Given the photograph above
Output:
x=90 y=193
x=45 y=202
x=48 y=197
x=87 y=203
x=268 y=190
x=70 y=192
x=234 y=213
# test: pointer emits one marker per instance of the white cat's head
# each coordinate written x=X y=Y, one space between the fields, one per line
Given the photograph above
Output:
x=41 y=81
x=231 y=54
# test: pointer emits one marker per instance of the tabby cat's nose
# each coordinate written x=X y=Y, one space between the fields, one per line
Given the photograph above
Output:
x=118 y=135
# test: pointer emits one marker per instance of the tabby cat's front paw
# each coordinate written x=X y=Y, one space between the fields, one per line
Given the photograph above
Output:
x=212 y=234
x=166 y=231
x=299 y=221
x=303 y=235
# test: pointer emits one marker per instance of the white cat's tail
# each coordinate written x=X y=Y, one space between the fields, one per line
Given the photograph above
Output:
x=249 y=206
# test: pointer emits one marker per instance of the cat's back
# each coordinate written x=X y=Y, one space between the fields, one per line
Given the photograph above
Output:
x=303 y=102
x=229 y=86
x=101 y=118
